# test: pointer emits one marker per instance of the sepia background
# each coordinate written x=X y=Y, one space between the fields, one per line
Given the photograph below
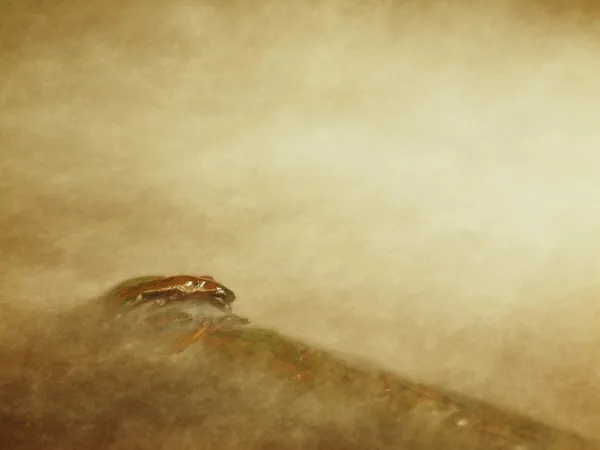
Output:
x=411 y=183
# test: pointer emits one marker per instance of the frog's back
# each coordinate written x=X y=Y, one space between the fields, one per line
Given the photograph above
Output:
x=153 y=284
x=131 y=288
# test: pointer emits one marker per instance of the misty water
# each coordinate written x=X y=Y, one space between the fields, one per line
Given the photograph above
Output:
x=412 y=185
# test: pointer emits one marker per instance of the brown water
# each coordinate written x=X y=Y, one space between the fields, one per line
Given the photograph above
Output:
x=414 y=185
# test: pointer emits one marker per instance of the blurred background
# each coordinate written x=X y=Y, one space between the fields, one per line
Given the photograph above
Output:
x=411 y=183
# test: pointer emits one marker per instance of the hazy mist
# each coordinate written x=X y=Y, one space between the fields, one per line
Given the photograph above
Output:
x=417 y=186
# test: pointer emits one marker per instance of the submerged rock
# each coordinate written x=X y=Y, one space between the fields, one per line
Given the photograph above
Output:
x=96 y=379
x=404 y=410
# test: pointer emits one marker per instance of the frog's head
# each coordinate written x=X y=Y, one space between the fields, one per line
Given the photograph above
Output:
x=223 y=297
x=220 y=296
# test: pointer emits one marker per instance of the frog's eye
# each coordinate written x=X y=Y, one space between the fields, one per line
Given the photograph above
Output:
x=220 y=290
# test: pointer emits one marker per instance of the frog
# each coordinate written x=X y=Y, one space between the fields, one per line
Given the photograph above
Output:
x=166 y=290
x=199 y=301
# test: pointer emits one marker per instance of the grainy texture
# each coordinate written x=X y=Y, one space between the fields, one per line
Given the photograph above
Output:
x=412 y=183
x=92 y=381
